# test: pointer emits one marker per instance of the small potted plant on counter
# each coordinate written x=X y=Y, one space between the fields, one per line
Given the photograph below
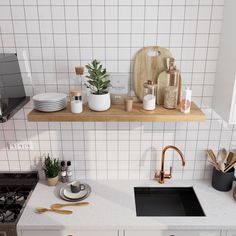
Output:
x=98 y=84
x=51 y=169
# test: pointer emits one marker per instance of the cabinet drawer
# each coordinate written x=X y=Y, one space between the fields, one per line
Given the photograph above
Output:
x=172 y=233
x=69 y=233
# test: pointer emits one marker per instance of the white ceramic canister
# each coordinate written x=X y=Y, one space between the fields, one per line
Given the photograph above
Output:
x=76 y=102
x=149 y=98
x=149 y=102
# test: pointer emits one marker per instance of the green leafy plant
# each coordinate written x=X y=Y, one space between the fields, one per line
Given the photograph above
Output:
x=51 y=167
x=97 y=78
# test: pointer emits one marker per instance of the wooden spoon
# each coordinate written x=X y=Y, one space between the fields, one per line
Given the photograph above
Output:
x=214 y=164
x=223 y=154
x=211 y=155
x=221 y=166
x=230 y=167
x=59 y=205
x=232 y=161
x=229 y=158
x=231 y=164
x=41 y=210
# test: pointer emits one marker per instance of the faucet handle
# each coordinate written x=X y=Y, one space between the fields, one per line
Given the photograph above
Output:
x=168 y=176
x=157 y=175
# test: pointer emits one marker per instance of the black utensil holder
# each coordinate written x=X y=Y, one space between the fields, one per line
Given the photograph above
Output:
x=222 y=181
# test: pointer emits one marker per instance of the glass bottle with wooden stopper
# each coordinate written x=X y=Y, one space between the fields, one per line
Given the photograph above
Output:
x=172 y=90
x=79 y=71
x=163 y=80
x=149 y=98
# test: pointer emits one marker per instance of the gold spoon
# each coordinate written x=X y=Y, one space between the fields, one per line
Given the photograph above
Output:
x=41 y=210
x=59 y=205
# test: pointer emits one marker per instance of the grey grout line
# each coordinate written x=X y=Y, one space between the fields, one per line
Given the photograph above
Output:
x=67 y=54
x=91 y=20
x=3 y=130
x=181 y=57
x=13 y=27
x=53 y=47
x=194 y=167
x=205 y=76
x=163 y=5
x=157 y=23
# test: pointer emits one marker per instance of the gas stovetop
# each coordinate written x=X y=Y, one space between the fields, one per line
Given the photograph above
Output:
x=14 y=191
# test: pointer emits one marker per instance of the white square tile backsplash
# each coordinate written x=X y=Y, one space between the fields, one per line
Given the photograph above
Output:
x=58 y=35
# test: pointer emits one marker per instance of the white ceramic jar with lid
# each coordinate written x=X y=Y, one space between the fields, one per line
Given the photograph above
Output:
x=76 y=102
x=149 y=98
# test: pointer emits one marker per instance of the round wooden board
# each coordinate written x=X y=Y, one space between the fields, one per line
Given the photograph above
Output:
x=147 y=66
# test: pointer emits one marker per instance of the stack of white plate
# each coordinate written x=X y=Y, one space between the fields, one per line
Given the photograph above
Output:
x=66 y=194
x=50 y=102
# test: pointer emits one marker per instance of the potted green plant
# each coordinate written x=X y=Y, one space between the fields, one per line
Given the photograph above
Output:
x=98 y=84
x=51 y=167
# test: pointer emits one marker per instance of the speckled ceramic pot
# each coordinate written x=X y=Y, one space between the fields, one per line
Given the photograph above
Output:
x=52 y=181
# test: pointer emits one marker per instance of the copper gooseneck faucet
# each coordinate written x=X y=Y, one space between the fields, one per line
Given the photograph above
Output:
x=161 y=176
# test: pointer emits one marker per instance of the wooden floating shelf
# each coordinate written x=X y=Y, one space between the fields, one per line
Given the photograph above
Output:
x=117 y=113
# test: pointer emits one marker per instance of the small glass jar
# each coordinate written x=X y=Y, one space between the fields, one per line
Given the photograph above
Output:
x=171 y=91
x=76 y=102
x=80 y=83
x=149 y=98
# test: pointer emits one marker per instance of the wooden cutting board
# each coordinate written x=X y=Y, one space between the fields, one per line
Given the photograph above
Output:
x=148 y=64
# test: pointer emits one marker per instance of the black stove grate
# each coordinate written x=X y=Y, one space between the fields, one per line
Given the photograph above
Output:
x=12 y=199
x=15 y=188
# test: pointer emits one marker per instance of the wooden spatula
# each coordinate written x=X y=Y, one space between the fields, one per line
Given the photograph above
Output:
x=223 y=154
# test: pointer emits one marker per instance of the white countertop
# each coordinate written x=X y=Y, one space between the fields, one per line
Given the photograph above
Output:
x=112 y=206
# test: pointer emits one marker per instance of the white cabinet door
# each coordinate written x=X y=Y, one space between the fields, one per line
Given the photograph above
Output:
x=225 y=86
x=69 y=233
x=171 y=233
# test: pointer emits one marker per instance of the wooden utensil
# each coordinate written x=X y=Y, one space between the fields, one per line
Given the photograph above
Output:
x=214 y=164
x=231 y=164
x=59 y=205
x=149 y=63
x=223 y=154
x=211 y=155
x=229 y=158
x=221 y=166
x=41 y=210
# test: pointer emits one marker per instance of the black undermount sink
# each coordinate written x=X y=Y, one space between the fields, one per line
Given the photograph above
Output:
x=165 y=201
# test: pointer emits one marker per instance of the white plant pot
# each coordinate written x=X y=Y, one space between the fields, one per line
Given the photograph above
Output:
x=99 y=102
